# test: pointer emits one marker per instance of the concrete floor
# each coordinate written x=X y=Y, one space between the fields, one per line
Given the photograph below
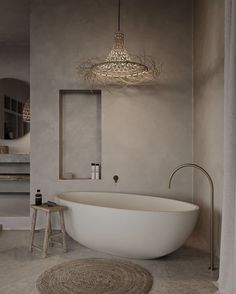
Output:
x=183 y=272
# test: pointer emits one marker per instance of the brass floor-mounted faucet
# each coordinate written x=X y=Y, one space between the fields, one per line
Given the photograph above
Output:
x=212 y=241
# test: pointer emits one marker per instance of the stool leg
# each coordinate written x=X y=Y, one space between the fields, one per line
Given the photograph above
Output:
x=63 y=230
x=46 y=236
x=34 y=216
x=50 y=233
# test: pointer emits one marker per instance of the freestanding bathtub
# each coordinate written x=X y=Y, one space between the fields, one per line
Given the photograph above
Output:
x=128 y=225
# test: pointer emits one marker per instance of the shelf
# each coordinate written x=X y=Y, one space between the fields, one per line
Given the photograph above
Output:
x=14 y=193
x=14 y=177
x=80 y=179
x=14 y=158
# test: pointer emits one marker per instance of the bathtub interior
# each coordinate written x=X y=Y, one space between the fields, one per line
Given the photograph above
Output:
x=128 y=201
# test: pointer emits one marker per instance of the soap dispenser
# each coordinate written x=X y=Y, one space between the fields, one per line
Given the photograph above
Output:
x=38 y=198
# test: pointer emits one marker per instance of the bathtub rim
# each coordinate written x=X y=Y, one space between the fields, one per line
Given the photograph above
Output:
x=195 y=207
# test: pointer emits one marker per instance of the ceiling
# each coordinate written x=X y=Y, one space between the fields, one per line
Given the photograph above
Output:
x=14 y=21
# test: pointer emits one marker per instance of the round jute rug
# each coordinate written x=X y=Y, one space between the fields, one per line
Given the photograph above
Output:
x=95 y=276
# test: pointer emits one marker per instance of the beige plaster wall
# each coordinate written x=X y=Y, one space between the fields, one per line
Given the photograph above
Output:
x=208 y=107
x=146 y=132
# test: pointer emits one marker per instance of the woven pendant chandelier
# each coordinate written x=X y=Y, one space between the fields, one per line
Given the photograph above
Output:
x=119 y=68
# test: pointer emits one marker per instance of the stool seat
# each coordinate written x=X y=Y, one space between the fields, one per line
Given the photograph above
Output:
x=48 y=208
x=48 y=230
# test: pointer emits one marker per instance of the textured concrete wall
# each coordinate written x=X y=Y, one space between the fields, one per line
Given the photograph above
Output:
x=15 y=52
x=146 y=132
x=208 y=107
x=14 y=205
x=14 y=63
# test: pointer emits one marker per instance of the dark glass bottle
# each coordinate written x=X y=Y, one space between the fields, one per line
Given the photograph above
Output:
x=38 y=198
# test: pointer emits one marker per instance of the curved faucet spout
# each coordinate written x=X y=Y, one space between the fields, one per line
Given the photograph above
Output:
x=212 y=245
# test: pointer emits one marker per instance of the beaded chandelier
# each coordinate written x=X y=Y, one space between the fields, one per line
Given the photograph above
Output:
x=119 y=68
x=26 y=111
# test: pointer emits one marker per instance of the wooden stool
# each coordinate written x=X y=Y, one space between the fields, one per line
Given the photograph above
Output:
x=48 y=230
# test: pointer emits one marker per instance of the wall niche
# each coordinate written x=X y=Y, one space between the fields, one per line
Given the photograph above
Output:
x=80 y=133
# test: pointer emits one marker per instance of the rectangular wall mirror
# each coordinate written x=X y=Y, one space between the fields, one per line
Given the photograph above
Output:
x=80 y=132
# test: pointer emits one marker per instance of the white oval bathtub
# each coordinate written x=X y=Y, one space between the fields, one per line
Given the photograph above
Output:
x=128 y=225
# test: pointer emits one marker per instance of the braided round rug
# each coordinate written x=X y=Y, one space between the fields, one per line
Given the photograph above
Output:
x=95 y=276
